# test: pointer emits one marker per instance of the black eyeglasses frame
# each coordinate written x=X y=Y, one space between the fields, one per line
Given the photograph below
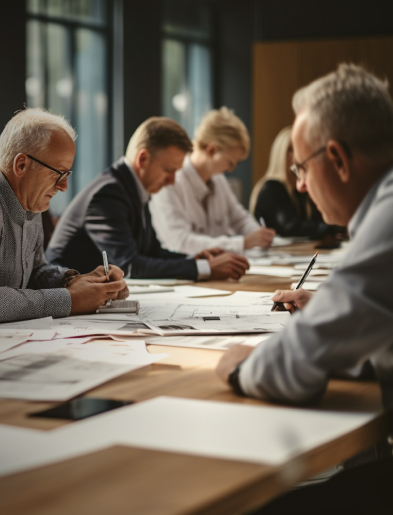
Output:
x=62 y=175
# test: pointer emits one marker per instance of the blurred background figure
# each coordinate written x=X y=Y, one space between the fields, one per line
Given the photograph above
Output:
x=276 y=199
x=200 y=210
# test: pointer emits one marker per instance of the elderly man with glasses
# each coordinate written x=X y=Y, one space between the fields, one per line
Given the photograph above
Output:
x=36 y=153
x=343 y=151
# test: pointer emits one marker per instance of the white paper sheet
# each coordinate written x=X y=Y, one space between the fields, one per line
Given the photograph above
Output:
x=36 y=323
x=275 y=271
x=280 y=241
x=319 y=272
x=179 y=293
x=258 y=434
x=159 y=282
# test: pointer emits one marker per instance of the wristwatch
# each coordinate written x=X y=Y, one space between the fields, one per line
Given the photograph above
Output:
x=233 y=379
x=68 y=276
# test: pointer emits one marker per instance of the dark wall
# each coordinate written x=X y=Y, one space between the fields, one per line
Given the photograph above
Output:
x=286 y=19
x=142 y=63
x=234 y=39
x=12 y=59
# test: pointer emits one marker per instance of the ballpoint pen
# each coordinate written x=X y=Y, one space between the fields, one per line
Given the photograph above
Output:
x=299 y=284
x=106 y=266
x=262 y=221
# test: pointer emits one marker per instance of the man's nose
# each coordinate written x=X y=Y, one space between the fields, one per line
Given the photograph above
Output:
x=301 y=185
x=63 y=185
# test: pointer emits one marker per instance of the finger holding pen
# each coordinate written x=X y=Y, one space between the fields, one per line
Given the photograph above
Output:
x=281 y=304
x=292 y=299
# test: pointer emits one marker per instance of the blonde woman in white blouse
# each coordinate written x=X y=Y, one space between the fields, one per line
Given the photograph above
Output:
x=200 y=211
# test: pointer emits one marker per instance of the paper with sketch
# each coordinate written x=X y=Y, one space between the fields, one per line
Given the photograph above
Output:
x=132 y=352
x=61 y=369
x=257 y=434
x=113 y=325
x=199 y=317
x=52 y=377
x=266 y=323
x=207 y=342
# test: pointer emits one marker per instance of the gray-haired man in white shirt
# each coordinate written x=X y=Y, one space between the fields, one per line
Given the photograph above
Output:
x=343 y=149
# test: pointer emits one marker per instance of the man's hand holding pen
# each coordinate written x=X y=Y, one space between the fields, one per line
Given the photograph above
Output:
x=92 y=290
x=292 y=299
x=287 y=304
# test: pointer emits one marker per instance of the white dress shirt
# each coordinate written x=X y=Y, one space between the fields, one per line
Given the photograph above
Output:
x=347 y=322
x=191 y=216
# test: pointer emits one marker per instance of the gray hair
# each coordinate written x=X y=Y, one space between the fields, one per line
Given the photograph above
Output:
x=30 y=131
x=351 y=106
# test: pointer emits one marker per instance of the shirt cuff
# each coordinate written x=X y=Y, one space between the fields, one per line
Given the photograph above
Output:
x=204 y=270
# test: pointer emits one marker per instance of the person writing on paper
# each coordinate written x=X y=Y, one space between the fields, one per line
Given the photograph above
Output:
x=343 y=156
x=199 y=210
x=112 y=214
x=276 y=199
x=36 y=154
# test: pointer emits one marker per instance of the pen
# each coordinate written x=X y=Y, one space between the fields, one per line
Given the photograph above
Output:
x=300 y=283
x=262 y=221
x=106 y=266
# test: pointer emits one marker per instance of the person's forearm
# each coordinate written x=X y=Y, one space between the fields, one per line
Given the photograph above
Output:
x=27 y=304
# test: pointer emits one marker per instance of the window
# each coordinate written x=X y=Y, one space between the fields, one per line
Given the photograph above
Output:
x=68 y=73
x=187 y=89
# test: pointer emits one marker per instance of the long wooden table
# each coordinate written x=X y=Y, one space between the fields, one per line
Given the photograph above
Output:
x=126 y=480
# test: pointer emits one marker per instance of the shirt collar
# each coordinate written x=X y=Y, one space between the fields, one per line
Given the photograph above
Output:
x=365 y=205
x=143 y=195
x=200 y=188
x=11 y=201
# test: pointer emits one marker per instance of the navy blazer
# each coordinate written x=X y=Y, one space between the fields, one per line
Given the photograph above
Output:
x=107 y=215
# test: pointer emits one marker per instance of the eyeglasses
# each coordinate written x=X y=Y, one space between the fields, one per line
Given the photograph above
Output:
x=299 y=170
x=62 y=175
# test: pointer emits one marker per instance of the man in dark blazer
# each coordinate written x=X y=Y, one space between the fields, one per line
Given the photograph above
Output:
x=112 y=214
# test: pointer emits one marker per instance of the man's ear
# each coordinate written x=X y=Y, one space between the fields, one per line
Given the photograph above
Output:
x=20 y=165
x=211 y=149
x=142 y=159
x=339 y=159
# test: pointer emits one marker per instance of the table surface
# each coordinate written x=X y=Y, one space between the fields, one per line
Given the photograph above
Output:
x=130 y=480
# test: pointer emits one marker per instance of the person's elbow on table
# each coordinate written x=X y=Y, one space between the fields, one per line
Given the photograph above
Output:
x=231 y=358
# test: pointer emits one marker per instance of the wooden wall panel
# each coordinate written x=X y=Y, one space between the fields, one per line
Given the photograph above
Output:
x=275 y=80
x=281 y=68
